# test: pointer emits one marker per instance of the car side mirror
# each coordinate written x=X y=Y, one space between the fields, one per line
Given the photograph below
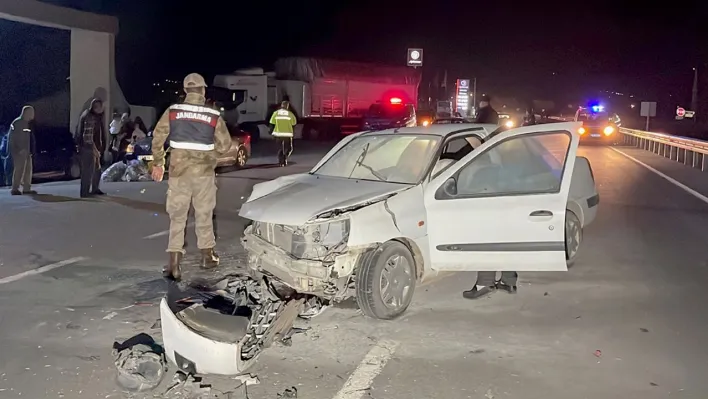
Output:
x=450 y=187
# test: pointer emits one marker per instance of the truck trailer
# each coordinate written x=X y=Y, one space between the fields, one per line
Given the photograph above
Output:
x=328 y=97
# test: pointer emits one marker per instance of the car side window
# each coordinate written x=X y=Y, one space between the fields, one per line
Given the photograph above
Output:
x=454 y=150
x=528 y=164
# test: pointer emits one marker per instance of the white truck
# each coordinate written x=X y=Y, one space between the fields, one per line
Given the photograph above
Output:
x=328 y=97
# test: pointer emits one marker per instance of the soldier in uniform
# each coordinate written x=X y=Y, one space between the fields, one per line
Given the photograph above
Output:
x=283 y=121
x=197 y=135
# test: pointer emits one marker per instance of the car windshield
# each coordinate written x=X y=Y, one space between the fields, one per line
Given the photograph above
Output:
x=385 y=157
x=596 y=117
x=387 y=112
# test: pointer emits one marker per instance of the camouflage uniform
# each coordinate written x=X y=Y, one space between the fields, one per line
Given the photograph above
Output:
x=198 y=135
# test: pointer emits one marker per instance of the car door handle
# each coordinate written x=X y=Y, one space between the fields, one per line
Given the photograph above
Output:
x=541 y=213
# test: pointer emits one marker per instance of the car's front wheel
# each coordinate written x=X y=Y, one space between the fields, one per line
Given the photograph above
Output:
x=573 y=237
x=385 y=281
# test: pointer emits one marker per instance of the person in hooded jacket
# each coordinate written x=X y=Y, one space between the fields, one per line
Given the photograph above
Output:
x=21 y=143
x=91 y=143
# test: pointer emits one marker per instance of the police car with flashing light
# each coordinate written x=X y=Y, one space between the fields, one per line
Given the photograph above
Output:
x=599 y=125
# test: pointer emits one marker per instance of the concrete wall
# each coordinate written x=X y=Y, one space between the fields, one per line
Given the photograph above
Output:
x=91 y=71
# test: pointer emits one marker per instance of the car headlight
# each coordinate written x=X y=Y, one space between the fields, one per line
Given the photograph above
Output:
x=314 y=241
x=609 y=130
x=581 y=131
x=426 y=123
x=509 y=123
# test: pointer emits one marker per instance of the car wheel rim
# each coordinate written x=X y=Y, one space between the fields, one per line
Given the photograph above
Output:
x=396 y=281
x=241 y=158
x=572 y=237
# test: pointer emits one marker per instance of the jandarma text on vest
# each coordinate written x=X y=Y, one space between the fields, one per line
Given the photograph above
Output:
x=193 y=116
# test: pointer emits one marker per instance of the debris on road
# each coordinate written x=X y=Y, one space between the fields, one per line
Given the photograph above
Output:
x=643 y=330
x=140 y=363
x=130 y=172
x=110 y=316
x=188 y=387
x=598 y=353
x=248 y=379
x=114 y=172
x=290 y=393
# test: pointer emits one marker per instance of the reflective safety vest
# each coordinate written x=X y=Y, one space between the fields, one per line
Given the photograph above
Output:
x=192 y=127
x=284 y=121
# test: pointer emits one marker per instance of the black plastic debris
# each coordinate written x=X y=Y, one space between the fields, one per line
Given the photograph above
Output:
x=290 y=393
x=140 y=363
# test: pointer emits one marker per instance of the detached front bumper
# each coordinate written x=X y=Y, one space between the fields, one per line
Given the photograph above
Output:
x=196 y=354
x=305 y=276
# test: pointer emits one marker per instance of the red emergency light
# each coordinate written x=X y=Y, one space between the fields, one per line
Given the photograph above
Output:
x=396 y=100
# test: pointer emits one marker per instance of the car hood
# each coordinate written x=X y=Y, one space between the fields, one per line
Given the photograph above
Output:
x=294 y=200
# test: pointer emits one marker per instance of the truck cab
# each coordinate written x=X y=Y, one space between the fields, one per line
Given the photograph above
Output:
x=390 y=114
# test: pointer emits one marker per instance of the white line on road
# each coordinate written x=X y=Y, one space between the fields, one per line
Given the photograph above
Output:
x=164 y=233
x=40 y=270
x=371 y=366
x=667 y=178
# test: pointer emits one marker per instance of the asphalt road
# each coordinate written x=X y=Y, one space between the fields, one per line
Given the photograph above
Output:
x=626 y=321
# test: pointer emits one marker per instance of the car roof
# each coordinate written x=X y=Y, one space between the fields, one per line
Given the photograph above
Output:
x=441 y=130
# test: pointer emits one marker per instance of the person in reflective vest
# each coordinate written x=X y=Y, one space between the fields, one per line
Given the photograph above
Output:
x=283 y=121
x=198 y=136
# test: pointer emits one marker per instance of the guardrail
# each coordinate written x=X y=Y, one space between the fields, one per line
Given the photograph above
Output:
x=690 y=152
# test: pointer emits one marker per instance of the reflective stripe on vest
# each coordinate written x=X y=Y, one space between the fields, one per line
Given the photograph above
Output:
x=281 y=134
x=191 y=146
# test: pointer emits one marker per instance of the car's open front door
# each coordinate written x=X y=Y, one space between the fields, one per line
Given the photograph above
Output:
x=502 y=207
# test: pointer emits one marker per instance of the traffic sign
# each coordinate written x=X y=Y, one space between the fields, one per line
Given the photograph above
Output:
x=680 y=112
x=415 y=57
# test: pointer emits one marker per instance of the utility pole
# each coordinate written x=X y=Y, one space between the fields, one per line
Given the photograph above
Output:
x=694 y=94
x=474 y=97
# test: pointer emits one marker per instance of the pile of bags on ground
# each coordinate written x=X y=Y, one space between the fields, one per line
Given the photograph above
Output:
x=131 y=171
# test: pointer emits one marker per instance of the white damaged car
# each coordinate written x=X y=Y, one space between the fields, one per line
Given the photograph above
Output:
x=384 y=210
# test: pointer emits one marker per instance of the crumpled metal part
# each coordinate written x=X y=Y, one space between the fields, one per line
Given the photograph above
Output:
x=140 y=366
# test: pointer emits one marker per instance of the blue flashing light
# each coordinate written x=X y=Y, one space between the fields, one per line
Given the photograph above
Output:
x=597 y=108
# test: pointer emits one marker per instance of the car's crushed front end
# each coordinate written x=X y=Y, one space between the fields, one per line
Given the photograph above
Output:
x=312 y=259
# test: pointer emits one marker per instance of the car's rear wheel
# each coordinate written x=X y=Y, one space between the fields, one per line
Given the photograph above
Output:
x=385 y=281
x=241 y=157
x=573 y=237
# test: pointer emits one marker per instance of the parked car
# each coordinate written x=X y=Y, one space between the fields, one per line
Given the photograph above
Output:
x=56 y=154
x=384 y=210
x=238 y=154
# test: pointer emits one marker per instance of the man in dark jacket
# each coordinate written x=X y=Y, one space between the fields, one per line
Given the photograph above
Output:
x=91 y=143
x=486 y=113
x=486 y=281
x=22 y=147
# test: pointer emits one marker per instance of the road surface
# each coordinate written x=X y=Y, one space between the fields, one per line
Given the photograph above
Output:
x=627 y=321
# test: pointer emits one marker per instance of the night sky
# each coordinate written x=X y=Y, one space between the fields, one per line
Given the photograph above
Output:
x=555 y=50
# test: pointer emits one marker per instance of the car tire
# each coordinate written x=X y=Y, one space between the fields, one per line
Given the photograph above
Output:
x=392 y=260
x=241 y=157
x=573 y=237
x=73 y=169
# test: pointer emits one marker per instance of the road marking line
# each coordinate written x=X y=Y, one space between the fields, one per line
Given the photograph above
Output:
x=40 y=270
x=370 y=367
x=667 y=178
x=164 y=232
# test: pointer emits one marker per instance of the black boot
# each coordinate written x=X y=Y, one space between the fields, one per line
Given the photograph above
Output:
x=172 y=270
x=476 y=292
x=210 y=259
x=509 y=289
x=16 y=192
